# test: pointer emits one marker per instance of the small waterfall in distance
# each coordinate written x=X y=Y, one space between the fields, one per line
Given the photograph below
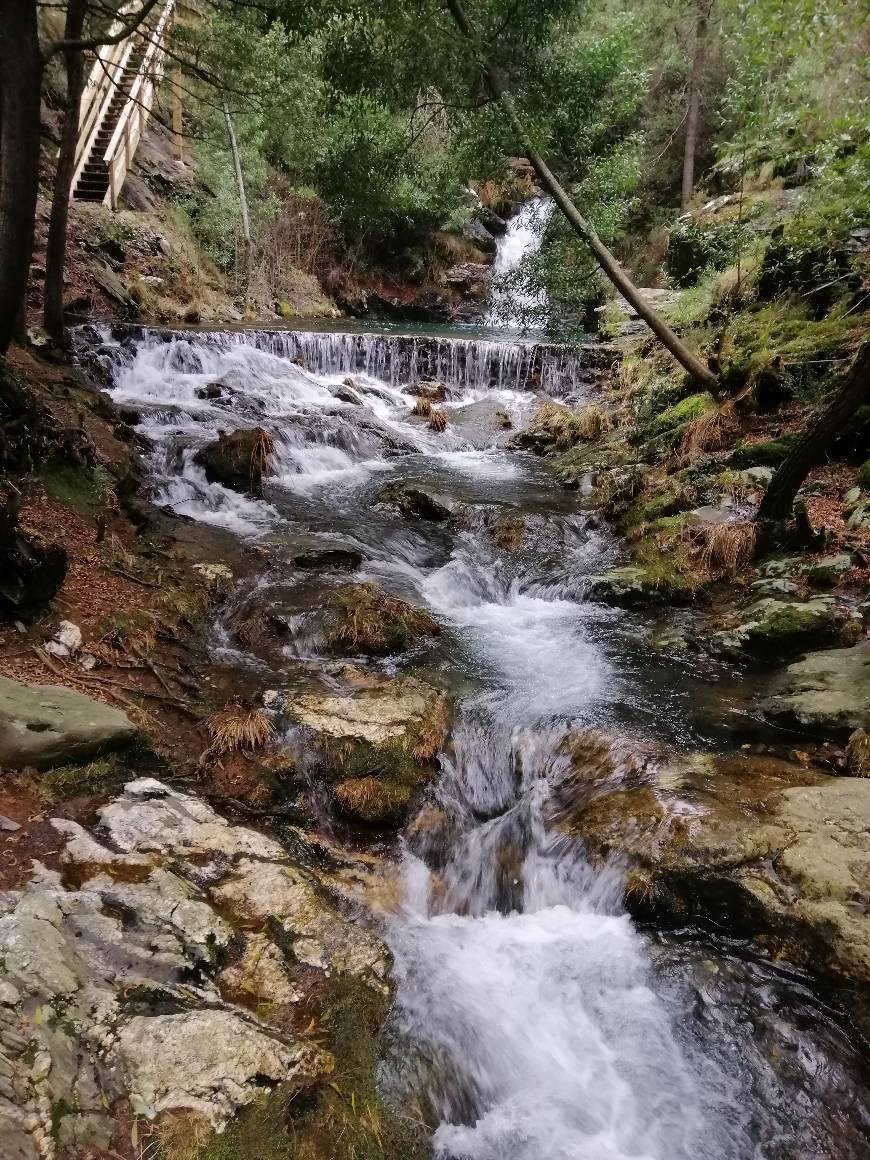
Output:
x=510 y=306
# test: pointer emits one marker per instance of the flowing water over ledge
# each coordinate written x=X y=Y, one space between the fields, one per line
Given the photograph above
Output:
x=533 y=1020
x=464 y=362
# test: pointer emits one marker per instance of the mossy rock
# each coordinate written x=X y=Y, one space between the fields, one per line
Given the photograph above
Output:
x=673 y=418
x=777 y=628
x=766 y=453
x=863 y=477
x=670 y=500
x=376 y=748
x=362 y=618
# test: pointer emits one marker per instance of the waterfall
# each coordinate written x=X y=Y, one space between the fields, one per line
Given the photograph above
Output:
x=512 y=304
x=462 y=364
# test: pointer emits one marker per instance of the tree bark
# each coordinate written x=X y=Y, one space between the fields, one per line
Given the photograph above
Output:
x=243 y=200
x=821 y=429
x=694 y=109
x=20 y=83
x=583 y=228
x=55 y=259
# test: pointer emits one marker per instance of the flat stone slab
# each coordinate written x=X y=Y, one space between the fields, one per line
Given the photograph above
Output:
x=826 y=691
x=45 y=725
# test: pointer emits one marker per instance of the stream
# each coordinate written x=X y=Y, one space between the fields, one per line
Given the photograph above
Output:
x=533 y=1020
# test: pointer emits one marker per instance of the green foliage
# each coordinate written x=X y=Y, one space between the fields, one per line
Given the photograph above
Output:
x=84 y=489
x=694 y=247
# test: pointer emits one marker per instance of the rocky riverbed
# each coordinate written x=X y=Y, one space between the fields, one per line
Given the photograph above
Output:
x=494 y=787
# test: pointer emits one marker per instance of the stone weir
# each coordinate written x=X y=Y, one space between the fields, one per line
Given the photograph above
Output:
x=462 y=364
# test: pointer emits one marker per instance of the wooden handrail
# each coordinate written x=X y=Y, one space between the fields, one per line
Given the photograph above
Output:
x=134 y=116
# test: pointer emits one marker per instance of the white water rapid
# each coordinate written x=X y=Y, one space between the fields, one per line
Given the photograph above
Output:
x=512 y=305
x=533 y=1020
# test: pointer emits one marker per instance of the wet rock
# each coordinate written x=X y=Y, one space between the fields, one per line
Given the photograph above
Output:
x=429 y=389
x=777 y=628
x=45 y=725
x=316 y=558
x=476 y=232
x=218 y=579
x=473 y=277
x=415 y=500
x=483 y=424
x=211 y=391
x=237 y=459
x=827 y=692
x=146 y=942
x=346 y=394
x=362 y=618
x=633 y=585
x=319 y=935
x=781 y=566
x=762 y=847
x=774 y=587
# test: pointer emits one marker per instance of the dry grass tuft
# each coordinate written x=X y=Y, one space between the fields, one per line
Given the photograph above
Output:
x=261 y=453
x=438 y=420
x=235 y=728
x=367 y=620
x=710 y=431
x=422 y=407
x=370 y=799
x=508 y=532
x=556 y=426
x=726 y=547
x=429 y=735
x=590 y=422
x=180 y=1136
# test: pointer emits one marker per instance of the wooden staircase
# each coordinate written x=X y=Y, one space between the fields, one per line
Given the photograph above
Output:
x=115 y=108
x=93 y=182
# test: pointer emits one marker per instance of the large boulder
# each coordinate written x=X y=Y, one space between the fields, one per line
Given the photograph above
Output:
x=477 y=233
x=762 y=847
x=826 y=692
x=237 y=459
x=775 y=629
x=45 y=725
x=146 y=944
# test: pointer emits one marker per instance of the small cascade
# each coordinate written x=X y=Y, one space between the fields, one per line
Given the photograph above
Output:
x=512 y=306
x=463 y=364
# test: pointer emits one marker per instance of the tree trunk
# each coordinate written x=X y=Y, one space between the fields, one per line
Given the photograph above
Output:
x=55 y=259
x=584 y=229
x=243 y=200
x=694 y=110
x=20 y=82
x=822 y=427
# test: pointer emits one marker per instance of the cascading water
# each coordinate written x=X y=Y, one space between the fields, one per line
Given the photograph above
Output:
x=533 y=1021
x=512 y=305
